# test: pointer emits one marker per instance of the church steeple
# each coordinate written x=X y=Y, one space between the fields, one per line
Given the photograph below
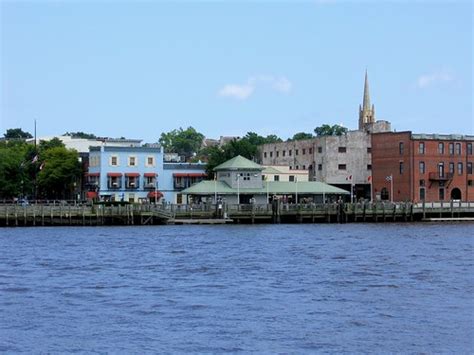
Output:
x=366 y=112
x=366 y=102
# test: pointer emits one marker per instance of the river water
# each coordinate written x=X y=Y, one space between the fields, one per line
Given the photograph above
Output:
x=368 y=288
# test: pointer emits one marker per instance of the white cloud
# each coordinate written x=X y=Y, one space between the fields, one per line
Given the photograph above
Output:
x=244 y=91
x=240 y=92
x=431 y=79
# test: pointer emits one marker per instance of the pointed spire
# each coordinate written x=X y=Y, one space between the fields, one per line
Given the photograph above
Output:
x=366 y=102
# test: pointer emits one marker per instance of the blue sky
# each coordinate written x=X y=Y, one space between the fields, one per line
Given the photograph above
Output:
x=137 y=69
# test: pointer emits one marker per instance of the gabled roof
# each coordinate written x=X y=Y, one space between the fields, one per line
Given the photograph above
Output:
x=238 y=163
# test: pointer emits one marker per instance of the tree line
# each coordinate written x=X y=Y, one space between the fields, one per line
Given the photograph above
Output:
x=50 y=171
x=47 y=171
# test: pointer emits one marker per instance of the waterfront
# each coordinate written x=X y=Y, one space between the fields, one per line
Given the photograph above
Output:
x=273 y=288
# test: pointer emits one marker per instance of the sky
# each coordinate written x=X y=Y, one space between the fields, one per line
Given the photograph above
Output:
x=139 y=68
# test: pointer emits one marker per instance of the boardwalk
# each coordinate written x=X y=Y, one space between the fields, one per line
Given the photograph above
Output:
x=148 y=214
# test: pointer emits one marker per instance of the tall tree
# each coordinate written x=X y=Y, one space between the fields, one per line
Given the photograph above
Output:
x=301 y=136
x=184 y=142
x=15 y=170
x=60 y=168
x=17 y=133
x=327 y=130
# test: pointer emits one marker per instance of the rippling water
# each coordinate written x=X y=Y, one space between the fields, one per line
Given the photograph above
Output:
x=272 y=288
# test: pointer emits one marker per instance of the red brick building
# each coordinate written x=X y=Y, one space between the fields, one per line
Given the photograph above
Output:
x=417 y=167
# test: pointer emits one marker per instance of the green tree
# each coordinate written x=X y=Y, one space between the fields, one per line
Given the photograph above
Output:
x=17 y=133
x=60 y=168
x=15 y=170
x=80 y=135
x=327 y=130
x=52 y=143
x=301 y=136
x=184 y=142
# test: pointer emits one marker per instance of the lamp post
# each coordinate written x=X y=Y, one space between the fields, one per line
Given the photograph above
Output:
x=296 y=194
x=238 y=189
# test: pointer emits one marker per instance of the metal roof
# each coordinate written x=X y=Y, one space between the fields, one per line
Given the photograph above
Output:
x=274 y=187
x=238 y=163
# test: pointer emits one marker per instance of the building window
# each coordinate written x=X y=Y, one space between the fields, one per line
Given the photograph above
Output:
x=271 y=154
x=292 y=178
x=469 y=148
x=401 y=167
x=304 y=167
x=276 y=178
x=264 y=154
x=132 y=161
x=320 y=149
x=131 y=182
x=441 y=193
x=421 y=148
x=114 y=160
x=369 y=149
x=441 y=148
x=278 y=153
x=297 y=167
x=469 y=168
x=451 y=148
x=384 y=194
x=369 y=166
x=400 y=148
x=342 y=149
x=458 y=148
x=451 y=168
x=422 y=193
x=284 y=153
x=150 y=161
x=459 y=168
x=310 y=150
x=296 y=152
x=469 y=183
x=304 y=151
x=422 y=182
x=289 y=152
x=320 y=167
x=342 y=167
x=422 y=167
x=150 y=182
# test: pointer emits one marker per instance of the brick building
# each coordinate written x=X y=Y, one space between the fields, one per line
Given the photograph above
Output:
x=417 y=167
x=343 y=161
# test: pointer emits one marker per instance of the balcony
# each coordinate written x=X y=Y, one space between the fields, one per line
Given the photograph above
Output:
x=440 y=176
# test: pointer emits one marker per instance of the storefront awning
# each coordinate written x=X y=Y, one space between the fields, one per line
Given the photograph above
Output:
x=93 y=174
x=91 y=195
x=150 y=174
x=132 y=174
x=155 y=194
x=114 y=174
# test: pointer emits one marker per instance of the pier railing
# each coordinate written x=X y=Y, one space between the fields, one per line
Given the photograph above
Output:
x=74 y=213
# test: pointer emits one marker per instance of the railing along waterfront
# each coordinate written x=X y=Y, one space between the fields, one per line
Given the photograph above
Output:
x=75 y=213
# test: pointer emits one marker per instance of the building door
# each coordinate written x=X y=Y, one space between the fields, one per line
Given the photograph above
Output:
x=441 y=169
x=455 y=194
x=384 y=194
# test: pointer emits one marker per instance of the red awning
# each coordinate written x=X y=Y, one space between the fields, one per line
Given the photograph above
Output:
x=132 y=174
x=93 y=174
x=155 y=194
x=114 y=174
x=150 y=174
x=91 y=195
x=189 y=174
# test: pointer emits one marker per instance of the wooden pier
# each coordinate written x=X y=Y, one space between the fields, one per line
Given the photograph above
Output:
x=12 y=215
